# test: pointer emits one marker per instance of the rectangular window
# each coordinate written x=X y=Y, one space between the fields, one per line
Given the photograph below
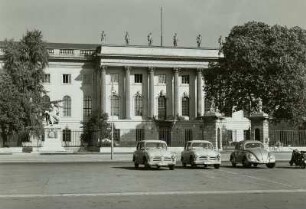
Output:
x=46 y=78
x=87 y=79
x=161 y=79
x=114 y=78
x=138 y=78
x=185 y=79
x=66 y=78
x=185 y=106
x=140 y=134
x=115 y=105
x=66 y=135
x=116 y=134
x=87 y=106
x=188 y=135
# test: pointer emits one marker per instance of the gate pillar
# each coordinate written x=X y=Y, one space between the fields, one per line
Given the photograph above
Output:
x=213 y=128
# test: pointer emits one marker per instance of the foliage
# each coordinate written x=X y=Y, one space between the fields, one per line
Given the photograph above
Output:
x=24 y=64
x=261 y=62
x=96 y=127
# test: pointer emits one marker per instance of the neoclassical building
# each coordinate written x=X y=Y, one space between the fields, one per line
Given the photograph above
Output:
x=149 y=92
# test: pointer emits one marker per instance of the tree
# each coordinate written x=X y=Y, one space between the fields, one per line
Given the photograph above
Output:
x=261 y=62
x=24 y=64
x=96 y=127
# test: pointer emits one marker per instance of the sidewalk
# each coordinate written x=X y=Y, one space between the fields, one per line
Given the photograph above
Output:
x=94 y=157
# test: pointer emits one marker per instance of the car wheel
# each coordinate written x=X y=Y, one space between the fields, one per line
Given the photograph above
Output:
x=303 y=165
x=233 y=161
x=146 y=164
x=171 y=167
x=205 y=166
x=271 y=165
x=245 y=163
x=216 y=166
x=192 y=162
x=183 y=163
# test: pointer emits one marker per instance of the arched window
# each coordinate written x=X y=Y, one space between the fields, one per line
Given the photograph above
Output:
x=162 y=107
x=67 y=106
x=115 y=105
x=87 y=106
x=46 y=102
x=138 y=105
x=185 y=106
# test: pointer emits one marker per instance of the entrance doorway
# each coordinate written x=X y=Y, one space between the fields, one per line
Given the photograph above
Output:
x=257 y=134
x=165 y=135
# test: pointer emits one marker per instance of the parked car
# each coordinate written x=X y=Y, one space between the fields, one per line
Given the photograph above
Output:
x=200 y=152
x=153 y=153
x=250 y=153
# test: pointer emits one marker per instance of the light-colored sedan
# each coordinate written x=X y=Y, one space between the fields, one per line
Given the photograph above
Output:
x=200 y=152
x=250 y=153
x=153 y=153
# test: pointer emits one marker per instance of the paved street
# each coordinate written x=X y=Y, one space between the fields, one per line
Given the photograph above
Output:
x=119 y=185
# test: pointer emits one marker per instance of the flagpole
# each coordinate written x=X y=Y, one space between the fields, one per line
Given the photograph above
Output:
x=161 y=26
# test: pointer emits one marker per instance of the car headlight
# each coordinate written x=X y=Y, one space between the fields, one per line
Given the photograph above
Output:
x=271 y=156
x=251 y=157
x=219 y=157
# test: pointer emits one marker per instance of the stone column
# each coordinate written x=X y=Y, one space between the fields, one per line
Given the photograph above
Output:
x=176 y=92
x=103 y=89
x=199 y=93
x=151 y=92
x=127 y=92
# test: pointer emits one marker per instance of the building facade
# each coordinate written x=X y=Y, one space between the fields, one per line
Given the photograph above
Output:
x=148 y=92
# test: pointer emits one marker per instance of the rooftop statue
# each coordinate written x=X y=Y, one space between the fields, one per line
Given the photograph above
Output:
x=175 y=40
x=199 y=40
x=103 y=37
x=150 y=39
x=220 y=41
x=127 y=38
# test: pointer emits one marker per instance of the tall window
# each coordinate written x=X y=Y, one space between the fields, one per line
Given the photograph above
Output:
x=115 y=105
x=46 y=101
x=114 y=78
x=185 y=79
x=162 y=107
x=67 y=106
x=87 y=106
x=140 y=134
x=162 y=79
x=138 y=78
x=188 y=135
x=116 y=134
x=66 y=78
x=67 y=135
x=138 y=105
x=46 y=78
x=185 y=106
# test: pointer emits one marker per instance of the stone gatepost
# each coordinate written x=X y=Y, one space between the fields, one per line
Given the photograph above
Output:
x=52 y=141
x=260 y=127
x=212 y=128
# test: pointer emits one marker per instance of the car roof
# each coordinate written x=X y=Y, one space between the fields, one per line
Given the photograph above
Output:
x=251 y=141
x=199 y=141
x=151 y=140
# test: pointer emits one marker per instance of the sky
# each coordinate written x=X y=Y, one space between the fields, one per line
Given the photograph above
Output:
x=81 y=21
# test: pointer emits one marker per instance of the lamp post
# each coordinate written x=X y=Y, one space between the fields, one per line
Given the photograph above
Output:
x=112 y=141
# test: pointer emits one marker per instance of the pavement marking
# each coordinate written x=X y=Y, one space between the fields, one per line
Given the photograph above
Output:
x=261 y=179
x=114 y=194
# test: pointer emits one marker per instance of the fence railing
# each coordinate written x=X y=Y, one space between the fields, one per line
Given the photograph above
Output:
x=286 y=138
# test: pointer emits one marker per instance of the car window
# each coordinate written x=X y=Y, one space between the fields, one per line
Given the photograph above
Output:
x=201 y=145
x=158 y=145
x=253 y=145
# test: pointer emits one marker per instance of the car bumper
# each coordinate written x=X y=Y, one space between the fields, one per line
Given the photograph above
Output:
x=263 y=162
x=161 y=163
x=207 y=162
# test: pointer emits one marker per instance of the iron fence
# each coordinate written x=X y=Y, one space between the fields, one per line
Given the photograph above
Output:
x=287 y=138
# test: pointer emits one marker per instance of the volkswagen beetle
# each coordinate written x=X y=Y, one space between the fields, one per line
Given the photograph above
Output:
x=250 y=153
x=200 y=152
x=153 y=153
